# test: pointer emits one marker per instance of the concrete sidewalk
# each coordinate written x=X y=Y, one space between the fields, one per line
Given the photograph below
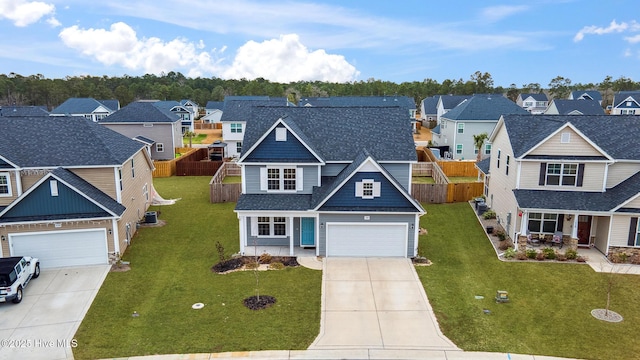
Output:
x=376 y=303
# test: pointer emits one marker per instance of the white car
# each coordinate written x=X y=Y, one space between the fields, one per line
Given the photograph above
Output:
x=15 y=274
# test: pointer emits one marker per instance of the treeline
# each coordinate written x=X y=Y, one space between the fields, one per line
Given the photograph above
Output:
x=16 y=89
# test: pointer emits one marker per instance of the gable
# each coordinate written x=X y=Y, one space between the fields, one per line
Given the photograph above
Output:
x=40 y=204
x=566 y=141
x=634 y=203
x=286 y=149
x=389 y=199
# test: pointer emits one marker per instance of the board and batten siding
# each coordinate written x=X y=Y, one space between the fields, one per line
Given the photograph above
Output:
x=621 y=171
x=252 y=178
x=360 y=218
x=577 y=145
x=592 y=178
x=501 y=198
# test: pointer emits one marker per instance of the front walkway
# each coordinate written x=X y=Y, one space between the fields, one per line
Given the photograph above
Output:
x=376 y=303
x=600 y=263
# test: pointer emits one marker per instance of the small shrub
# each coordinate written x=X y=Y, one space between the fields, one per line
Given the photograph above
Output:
x=420 y=260
x=619 y=258
x=549 y=253
x=276 y=266
x=531 y=253
x=521 y=256
x=220 y=249
x=509 y=253
x=501 y=235
x=265 y=258
x=251 y=265
x=540 y=256
x=571 y=254
x=561 y=257
x=504 y=245
x=581 y=259
x=489 y=214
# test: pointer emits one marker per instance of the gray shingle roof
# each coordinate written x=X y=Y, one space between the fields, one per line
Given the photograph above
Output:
x=621 y=96
x=586 y=94
x=215 y=105
x=89 y=190
x=404 y=102
x=339 y=133
x=240 y=110
x=66 y=141
x=274 y=202
x=613 y=134
x=536 y=97
x=484 y=165
x=142 y=112
x=484 y=107
x=6 y=111
x=579 y=201
x=80 y=106
x=451 y=101
x=430 y=105
x=586 y=107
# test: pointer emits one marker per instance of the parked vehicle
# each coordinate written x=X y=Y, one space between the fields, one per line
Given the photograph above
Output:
x=15 y=274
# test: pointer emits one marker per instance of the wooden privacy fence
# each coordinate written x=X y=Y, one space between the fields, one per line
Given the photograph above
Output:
x=220 y=192
x=197 y=163
x=459 y=168
x=446 y=193
x=167 y=168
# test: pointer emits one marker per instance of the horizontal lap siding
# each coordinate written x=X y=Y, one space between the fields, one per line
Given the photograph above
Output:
x=577 y=146
x=592 y=180
x=620 y=230
x=619 y=172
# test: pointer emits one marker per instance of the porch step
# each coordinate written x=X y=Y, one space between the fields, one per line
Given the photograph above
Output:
x=311 y=262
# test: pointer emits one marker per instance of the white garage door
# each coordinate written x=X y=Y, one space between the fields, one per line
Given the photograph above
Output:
x=62 y=248
x=375 y=240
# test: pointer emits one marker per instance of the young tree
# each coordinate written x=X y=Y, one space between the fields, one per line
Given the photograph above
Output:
x=190 y=135
x=559 y=87
x=478 y=141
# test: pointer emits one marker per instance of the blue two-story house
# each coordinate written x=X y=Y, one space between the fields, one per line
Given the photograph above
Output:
x=314 y=177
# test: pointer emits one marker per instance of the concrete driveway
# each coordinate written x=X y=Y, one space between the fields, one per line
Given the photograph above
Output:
x=42 y=326
x=376 y=303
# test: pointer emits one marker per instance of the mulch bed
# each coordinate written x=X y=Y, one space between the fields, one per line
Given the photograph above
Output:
x=238 y=263
x=259 y=303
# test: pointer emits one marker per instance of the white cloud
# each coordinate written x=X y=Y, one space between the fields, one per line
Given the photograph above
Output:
x=53 y=22
x=24 y=13
x=633 y=39
x=496 y=13
x=613 y=27
x=121 y=46
x=287 y=60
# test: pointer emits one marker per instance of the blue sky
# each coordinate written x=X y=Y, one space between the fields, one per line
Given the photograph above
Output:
x=515 y=41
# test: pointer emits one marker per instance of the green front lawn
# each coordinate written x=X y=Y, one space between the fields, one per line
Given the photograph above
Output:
x=549 y=311
x=194 y=140
x=170 y=271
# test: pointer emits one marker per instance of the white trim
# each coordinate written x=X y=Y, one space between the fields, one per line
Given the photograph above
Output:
x=405 y=225
x=299 y=179
x=254 y=226
x=559 y=130
x=103 y=231
x=9 y=187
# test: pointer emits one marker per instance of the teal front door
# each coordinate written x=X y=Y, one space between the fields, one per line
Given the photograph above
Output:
x=307 y=232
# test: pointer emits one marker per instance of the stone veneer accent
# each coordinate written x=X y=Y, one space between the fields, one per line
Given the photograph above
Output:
x=567 y=240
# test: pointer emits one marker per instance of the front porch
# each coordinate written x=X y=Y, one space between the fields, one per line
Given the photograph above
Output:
x=570 y=230
x=279 y=251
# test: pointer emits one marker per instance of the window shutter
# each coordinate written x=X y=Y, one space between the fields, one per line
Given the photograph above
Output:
x=580 y=174
x=263 y=178
x=359 y=189
x=254 y=226
x=632 y=231
x=543 y=174
x=560 y=222
x=299 y=179
x=376 y=189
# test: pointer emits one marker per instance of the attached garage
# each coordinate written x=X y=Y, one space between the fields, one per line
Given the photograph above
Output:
x=62 y=248
x=367 y=240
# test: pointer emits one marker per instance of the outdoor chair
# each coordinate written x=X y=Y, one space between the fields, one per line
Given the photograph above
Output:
x=531 y=241
x=557 y=239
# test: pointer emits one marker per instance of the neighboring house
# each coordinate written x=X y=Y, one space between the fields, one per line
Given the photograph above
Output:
x=192 y=107
x=74 y=199
x=626 y=103
x=533 y=103
x=564 y=175
x=155 y=126
x=213 y=112
x=586 y=95
x=33 y=111
x=404 y=102
x=448 y=102
x=574 y=107
x=185 y=115
x=234 y=119
x=90 y=108
x=312 y=178
x=479 y=114
x=429 y=109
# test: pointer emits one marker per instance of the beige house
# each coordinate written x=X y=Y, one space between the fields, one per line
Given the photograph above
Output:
x=75 y=196
x=574 y=176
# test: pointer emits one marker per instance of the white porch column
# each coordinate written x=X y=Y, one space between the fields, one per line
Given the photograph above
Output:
x=291 y=236
x=524 y=223
x=243 y=233
x=116 y=236
x=574 y=227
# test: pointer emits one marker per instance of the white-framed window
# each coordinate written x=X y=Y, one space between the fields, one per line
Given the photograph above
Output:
x=487 y=149
x=461 y=128
x=562 y=174
x=272 y=226
x=628 y=103
x=5 y=185
x=565 y=137
x=145 y=192
x=541 y=103
x=120 y=178
x=236 y=128
x=133 y=169
x=53 y=186
x=239 y=147
x=508 y=160
x=281 y=178
x=528 y=103
x=159 y=147
x=637 y=241
x=458 y=149
x=627 y=112
x=543 y=223
x=281 y=134
x=368 y=189
x=499 y=154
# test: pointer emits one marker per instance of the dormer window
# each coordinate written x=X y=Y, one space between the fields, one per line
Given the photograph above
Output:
x=281 y=134
x=53 y=186
x=368 y=189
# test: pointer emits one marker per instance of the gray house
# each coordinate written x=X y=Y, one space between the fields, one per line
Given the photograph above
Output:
x=574 y=107
x=474 y=116
x=311 y=178
x=155 y=126
x=90 y=108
